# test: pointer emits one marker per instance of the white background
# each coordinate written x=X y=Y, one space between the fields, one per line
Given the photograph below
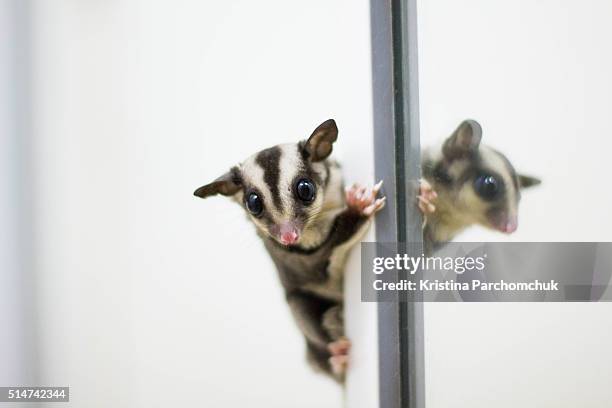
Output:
x=147 y=295
x=536 y=75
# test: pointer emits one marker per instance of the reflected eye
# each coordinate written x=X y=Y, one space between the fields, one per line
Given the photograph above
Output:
x=487 y=186
x=254 y=204
x=305 y=190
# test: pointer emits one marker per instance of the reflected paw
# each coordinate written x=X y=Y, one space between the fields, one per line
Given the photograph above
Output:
x=426 y=197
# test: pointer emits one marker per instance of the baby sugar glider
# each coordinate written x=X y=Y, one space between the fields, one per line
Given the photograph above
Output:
x=294 y=195
x=466 y=183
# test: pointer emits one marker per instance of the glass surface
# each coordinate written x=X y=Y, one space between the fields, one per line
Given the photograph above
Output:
x=535 y=75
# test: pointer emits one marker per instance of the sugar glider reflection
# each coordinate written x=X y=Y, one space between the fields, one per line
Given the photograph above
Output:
x=467 y=183
x=294 y=195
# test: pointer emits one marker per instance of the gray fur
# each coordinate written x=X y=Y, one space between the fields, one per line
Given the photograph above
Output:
x=451 y=169
x=311 y=272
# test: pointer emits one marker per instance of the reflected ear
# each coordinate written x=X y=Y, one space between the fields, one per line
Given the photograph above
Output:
x=319 y=145
x=527 y=181
x=464 y=140
x=227 y=185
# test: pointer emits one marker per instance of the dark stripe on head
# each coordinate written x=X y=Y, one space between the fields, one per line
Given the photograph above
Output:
x=510 y=169
x=427 y=167
x=474 y=168
x=269 y=161
x=307 y=170
x=302 y=150
x=236 y=175
x=439 y=174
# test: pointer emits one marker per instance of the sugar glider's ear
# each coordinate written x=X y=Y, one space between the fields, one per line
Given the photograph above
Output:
x=319 y=145
x=464 y=141
x=227 y=185
x=527 y=181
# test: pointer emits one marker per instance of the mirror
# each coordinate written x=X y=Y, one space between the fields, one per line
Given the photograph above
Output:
x=535 y=75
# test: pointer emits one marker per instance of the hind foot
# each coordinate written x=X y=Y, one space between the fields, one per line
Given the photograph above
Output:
x=339 y=359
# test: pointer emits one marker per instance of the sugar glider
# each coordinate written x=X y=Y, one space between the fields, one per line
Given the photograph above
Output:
x=466 y=183
x=294 y=194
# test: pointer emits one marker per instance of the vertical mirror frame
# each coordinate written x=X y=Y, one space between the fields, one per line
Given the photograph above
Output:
x=397 y=162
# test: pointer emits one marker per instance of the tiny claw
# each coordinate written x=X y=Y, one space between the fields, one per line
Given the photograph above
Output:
x=378 y=205
x=377 y=187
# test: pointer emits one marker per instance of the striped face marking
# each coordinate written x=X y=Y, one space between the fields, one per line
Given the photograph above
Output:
x=479 y=187
x=292 y=190
x=269 y=161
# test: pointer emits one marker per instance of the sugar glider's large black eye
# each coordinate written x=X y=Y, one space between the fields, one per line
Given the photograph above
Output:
x=487 y=186
x=305 y=190
x=254 y=204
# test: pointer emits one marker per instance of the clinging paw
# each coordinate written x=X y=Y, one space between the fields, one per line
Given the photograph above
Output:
x=426 y=195
x=363 y=200
x=339 y=359
x=339 y=347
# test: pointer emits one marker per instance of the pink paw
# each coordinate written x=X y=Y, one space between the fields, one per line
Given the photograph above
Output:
x=364 y=201
x=426 y=195
x=339 y=359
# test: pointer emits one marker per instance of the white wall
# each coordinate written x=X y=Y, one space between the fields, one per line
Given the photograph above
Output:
x=536 y=75
x=148 y=296
x=136 y=103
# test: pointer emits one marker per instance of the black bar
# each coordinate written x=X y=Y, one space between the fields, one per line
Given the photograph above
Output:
x=397 y=162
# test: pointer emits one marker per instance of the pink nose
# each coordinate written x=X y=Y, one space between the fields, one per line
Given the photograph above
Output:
x=509 y=226
x=289 y=237
x=505 y=224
